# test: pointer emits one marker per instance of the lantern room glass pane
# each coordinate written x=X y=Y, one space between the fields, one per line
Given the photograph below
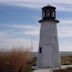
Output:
x=47 y=13
x=43 y=14
x=53 y=14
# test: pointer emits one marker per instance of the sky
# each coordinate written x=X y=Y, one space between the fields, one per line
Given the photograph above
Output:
x=19 y=27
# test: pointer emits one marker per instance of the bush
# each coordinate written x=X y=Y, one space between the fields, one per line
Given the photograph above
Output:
x=15 y=61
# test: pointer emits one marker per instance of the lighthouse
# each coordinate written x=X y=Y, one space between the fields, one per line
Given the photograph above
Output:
x=48 y=53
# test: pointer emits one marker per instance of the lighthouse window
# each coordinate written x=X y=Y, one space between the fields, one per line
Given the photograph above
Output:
x=40 y=50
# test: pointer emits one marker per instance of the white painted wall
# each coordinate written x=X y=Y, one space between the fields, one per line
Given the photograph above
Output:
x=49 y=58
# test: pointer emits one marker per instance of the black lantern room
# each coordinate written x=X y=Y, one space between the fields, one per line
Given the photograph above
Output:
x=48 y=13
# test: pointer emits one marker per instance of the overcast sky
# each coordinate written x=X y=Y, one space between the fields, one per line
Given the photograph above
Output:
x=19 y=25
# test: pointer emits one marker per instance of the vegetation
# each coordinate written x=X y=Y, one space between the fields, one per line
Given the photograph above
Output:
x=66 y=60
x=22 y=61
x=16 y=61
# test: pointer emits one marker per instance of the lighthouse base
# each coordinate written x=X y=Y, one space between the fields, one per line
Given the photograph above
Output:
x=43 y=70
x=64 y=68
x=49 y=58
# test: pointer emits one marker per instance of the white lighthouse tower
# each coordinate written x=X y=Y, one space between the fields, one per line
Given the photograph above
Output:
x=48 y=55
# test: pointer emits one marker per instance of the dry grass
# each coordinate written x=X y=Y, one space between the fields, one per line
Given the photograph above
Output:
x=63 y=70
x=66 y=60
x=15 y=61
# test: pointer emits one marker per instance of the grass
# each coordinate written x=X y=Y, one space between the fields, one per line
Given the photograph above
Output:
x=66 y=60
x=15 y=61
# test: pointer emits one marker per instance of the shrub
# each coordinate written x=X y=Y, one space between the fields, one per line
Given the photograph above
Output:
x=15 y=61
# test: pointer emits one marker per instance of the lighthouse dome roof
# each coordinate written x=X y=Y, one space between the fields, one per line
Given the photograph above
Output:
x=49 y=6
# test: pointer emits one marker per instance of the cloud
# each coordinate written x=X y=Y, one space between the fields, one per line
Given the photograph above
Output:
x=37 y=1
x=62 y=5
x=65 y=47
x=65 y=35
x=12 y=38
x=20 y=26
x=9 y=43
x=23 y=1
x=17 y=43
x=14 y=35
x=66 y=21
x=28 y=30
x=32 y=33
x=65 y=28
